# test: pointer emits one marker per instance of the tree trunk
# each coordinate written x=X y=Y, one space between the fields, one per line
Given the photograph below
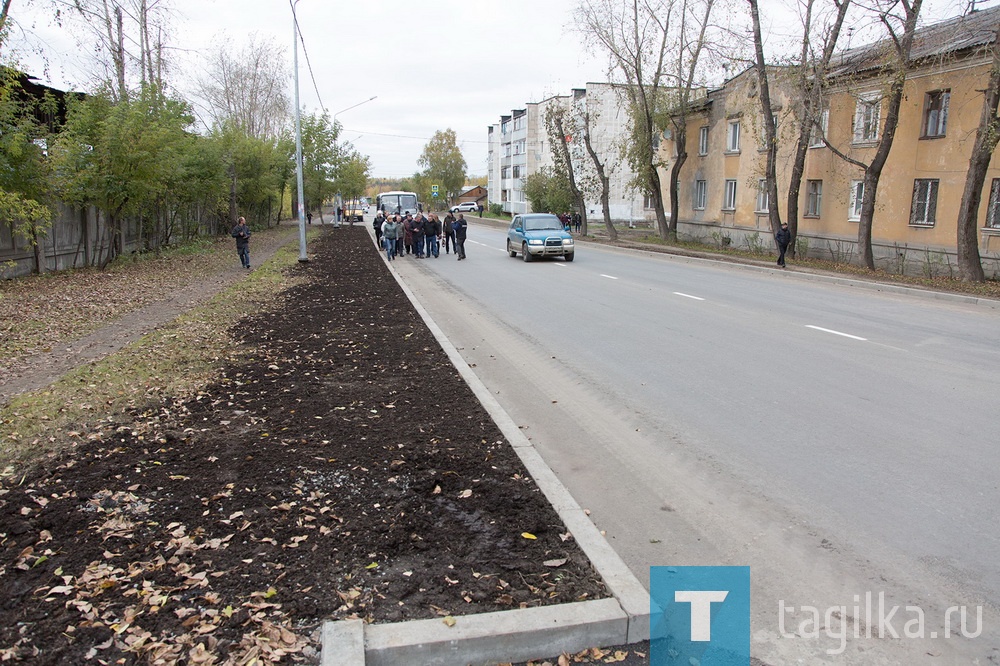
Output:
x=767 y=118
x=970 y=264
x=680 y=141
x=605 y=185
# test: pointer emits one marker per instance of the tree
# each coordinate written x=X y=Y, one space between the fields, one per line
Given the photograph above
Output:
x=443 y=162
x=603 y=179
x=548 y=191
x=561 y=127
x=812 y=71
x=320 y=159
x=352 y=174
x=770 y=129
x=635 y=37
x=987 y=135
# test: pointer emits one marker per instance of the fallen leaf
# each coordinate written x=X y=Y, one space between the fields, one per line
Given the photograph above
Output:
x=528 y=535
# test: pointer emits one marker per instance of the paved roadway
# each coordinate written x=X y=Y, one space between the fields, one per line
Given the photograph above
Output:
x=839 y=440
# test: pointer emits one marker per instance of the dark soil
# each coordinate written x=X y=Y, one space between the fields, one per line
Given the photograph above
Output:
x=342 y=469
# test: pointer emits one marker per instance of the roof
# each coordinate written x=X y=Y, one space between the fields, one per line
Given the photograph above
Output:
x=968 y=33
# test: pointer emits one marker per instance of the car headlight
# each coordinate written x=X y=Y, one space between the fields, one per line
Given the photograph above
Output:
x=567 y=241
x=535 y=241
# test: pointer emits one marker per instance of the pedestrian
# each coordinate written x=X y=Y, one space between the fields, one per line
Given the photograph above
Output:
x=241 y=232
x=389 y=231
x=577 y=221
x=449 y=233
x=309 y=218
x=480 y=210
x=340 y=213
x=399 y=236
x=782 y=238
x=419 y=221
x=408 y=233
x=377 y=226
x=432 y=234
x=460 y=226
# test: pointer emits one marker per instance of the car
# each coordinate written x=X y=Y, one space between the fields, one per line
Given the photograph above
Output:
x=539 y=235
x=354 y=212
x=465 y=207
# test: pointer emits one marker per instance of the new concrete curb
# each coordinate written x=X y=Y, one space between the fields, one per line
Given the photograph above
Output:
x=505 y=636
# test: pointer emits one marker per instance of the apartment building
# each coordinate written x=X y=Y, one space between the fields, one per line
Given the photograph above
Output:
x=918 y=197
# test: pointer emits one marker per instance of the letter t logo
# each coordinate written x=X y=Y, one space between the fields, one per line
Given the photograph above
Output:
x=701 y=610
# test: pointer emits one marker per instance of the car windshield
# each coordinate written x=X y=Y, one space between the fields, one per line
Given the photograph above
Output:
x=542 y=223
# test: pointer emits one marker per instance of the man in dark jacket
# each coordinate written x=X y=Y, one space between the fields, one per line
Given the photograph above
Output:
x=432 y=230
x=460 y=226
x=241 y=232
x=782 y=238
x=377 y=225
x=449 y=233
x=419 y=222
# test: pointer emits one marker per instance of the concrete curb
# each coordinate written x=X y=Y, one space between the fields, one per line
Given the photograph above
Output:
x=504 y=636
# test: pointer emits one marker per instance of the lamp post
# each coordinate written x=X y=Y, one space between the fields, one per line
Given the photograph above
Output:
x=340 y=201
x=298 y=141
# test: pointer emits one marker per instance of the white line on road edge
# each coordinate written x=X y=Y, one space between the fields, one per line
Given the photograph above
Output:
x=697 y=298
x=827 y=330
x=610 y=277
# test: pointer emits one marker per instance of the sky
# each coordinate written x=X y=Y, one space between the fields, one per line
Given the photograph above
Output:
x=429 y=64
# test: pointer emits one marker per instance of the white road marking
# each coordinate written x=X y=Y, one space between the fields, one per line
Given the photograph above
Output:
x=697 y=298
x=610 y=277
x=827 y=330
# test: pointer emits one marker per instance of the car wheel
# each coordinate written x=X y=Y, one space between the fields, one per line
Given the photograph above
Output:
x=510 y=250
x=525 y=254
x=568 y=256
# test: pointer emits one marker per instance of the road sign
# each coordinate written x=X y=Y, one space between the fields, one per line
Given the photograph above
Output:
x=434 y=189
x=434 y=194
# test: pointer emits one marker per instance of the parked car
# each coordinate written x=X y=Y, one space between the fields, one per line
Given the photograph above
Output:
x=539 y=235
x=354 y=212
x=465 y=207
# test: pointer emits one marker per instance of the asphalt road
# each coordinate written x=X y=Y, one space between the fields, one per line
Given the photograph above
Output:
x=840 y=441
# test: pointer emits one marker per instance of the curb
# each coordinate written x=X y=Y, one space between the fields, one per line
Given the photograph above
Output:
x=504 y=636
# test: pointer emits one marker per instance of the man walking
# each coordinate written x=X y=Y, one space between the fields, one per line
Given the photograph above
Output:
x=460 y=227
x=432 y=230
x=241 y=232
x=449 y=233
x=782 y=238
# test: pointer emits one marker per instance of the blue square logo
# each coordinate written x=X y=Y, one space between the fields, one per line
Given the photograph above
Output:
x=699 y=613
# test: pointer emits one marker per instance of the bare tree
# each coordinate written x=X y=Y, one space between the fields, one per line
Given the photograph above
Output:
x=603 y=186
x=561 y=128
x=987 y=135
x=635 y=36
x=767 y=115
x=247 y=88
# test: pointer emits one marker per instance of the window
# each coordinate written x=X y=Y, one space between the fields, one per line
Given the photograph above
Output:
x=647 y=202
x=993 y=209
x=733 y=137
x=730 y=200
x=700 y=194
x=504 y=172
x=517 y=171
x=762 y=206
x=866 y=119
x=814 y=197
x=936 y=113
x=924 y=206
x=703 y=140
x=818 y=133
x=857 y=196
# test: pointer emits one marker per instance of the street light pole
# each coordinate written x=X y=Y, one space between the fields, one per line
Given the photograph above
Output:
x=303 y=257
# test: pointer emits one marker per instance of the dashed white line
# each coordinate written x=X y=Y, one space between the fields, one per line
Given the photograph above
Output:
x=610 y=277
x=696 y=298
x=827 y=330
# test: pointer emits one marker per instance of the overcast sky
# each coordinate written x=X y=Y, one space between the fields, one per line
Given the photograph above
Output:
x=430 y=64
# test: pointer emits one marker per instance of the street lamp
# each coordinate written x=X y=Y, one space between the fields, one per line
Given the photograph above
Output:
x=303 y=257
x=340 y=200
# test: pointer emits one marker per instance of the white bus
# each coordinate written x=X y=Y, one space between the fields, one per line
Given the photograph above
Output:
x=397 y=203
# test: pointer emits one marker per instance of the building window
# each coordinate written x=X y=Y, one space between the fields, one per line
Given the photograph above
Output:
x=817 y=133
x=647 y=202
x=730 y=200
x=733 y=137
x=936 y=113
x=924 y=207
x=814 y=197
x=703 y=140
x=700 y=194
x=857 y=196
x=762 y=206
x=993 y=209
x=504 y=171
x=517 y=171
x=867 y=114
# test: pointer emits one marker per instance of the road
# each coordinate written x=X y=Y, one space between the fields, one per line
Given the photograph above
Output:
x=840 y=441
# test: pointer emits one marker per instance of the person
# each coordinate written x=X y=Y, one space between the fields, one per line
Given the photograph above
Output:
x=309 y=218
x=577 y=221
x=399 y=236
x=449 y=233
x=418 y=234
x=241 y=232
x=377 y=226
x=432 y=231
x=408 y=233
x=782 y=238
x=460 y=226
x=389 y=231
x=480 y=210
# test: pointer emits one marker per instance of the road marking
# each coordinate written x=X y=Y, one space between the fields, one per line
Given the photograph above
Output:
x=827 y=330
x=610 y=277
x=697 y=298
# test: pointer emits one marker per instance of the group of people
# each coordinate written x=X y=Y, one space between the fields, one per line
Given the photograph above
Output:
x=571 y=222
x=419 y=235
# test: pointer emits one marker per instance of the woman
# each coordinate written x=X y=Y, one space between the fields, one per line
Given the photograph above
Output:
x=389 y=231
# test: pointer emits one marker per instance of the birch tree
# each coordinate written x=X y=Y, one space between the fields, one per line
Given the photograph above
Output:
x=562 y=128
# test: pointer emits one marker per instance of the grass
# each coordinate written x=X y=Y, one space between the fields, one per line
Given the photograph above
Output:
x=175 y=360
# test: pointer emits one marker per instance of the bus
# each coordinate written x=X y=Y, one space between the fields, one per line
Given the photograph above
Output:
x=398 y=203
